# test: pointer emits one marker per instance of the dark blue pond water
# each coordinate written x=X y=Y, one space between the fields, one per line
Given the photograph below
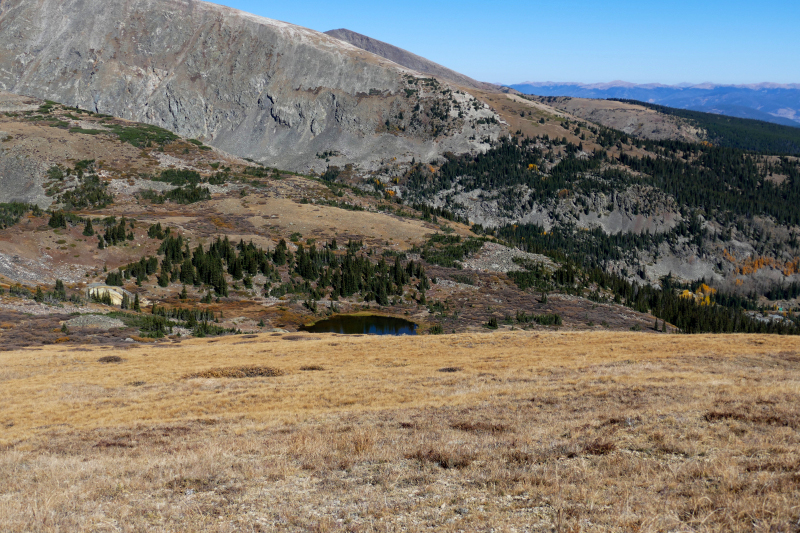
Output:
x=363 y=325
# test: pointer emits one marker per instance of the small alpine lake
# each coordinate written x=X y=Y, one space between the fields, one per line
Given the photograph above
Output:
x=363 y=325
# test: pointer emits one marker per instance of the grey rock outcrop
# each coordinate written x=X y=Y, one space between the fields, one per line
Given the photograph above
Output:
x=251 y=86
x=409 y=60
x=21 y=180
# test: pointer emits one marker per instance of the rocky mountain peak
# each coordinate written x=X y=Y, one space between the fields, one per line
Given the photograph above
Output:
x=252 y=86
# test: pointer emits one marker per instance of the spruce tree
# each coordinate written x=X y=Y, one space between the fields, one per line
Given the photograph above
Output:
x=279 y=256
x=60 y=292
x=88 y=230
x=136 y=305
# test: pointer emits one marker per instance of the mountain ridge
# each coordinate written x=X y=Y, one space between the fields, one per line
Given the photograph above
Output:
x=703 y=85
x=771 y=102
x=407 y=59
x=252 y=86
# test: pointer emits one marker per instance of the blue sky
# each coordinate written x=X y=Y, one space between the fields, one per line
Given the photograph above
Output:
x=510 y=41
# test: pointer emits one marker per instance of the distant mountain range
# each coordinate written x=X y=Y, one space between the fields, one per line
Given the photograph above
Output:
x=771 y=102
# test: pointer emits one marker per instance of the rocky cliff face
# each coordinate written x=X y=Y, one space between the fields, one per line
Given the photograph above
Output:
x=254 y=87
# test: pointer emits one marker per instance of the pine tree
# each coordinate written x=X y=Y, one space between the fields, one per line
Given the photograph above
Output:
x=126 y=301
x=88 y=230
x=60 y=292
x=279 y=257
x=57 y=220
x=136 y=305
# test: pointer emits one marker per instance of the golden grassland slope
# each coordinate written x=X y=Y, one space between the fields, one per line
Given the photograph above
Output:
x=507 y=431
x=631 y=118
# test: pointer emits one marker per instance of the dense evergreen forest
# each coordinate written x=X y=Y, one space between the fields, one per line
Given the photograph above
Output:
x=724 y=182
x=313 y=273
x=719 y=181
x=741 y=133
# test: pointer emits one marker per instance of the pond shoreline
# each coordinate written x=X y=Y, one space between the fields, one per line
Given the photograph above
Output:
x=363 y=324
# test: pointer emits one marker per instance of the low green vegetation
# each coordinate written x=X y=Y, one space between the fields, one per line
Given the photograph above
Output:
x=189 y=186
x=142 y=135
x=11 y=213
x=163 y=321
x=56 y=296
x=188 y=194
x=87 y=131
x=89 y=193
x=449 y=250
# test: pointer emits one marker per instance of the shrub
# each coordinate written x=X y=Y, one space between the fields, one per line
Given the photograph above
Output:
x=480 y=427
x=599 y=447
x=446 y=459
x=238 y=372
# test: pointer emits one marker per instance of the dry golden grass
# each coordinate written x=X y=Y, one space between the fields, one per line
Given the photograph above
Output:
x=534 y=432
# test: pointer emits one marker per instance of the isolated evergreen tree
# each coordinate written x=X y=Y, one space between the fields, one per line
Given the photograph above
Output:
x=279 y=256
x=57 y=220
x=88 y=230
x=60 y=292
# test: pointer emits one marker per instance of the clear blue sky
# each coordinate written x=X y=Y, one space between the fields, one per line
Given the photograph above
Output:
x=510 y=41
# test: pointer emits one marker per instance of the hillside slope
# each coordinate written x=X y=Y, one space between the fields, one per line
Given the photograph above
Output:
x=770 y=102
x=633 y=119
x=254 y=87
x=446 y=433
x=407 y=59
